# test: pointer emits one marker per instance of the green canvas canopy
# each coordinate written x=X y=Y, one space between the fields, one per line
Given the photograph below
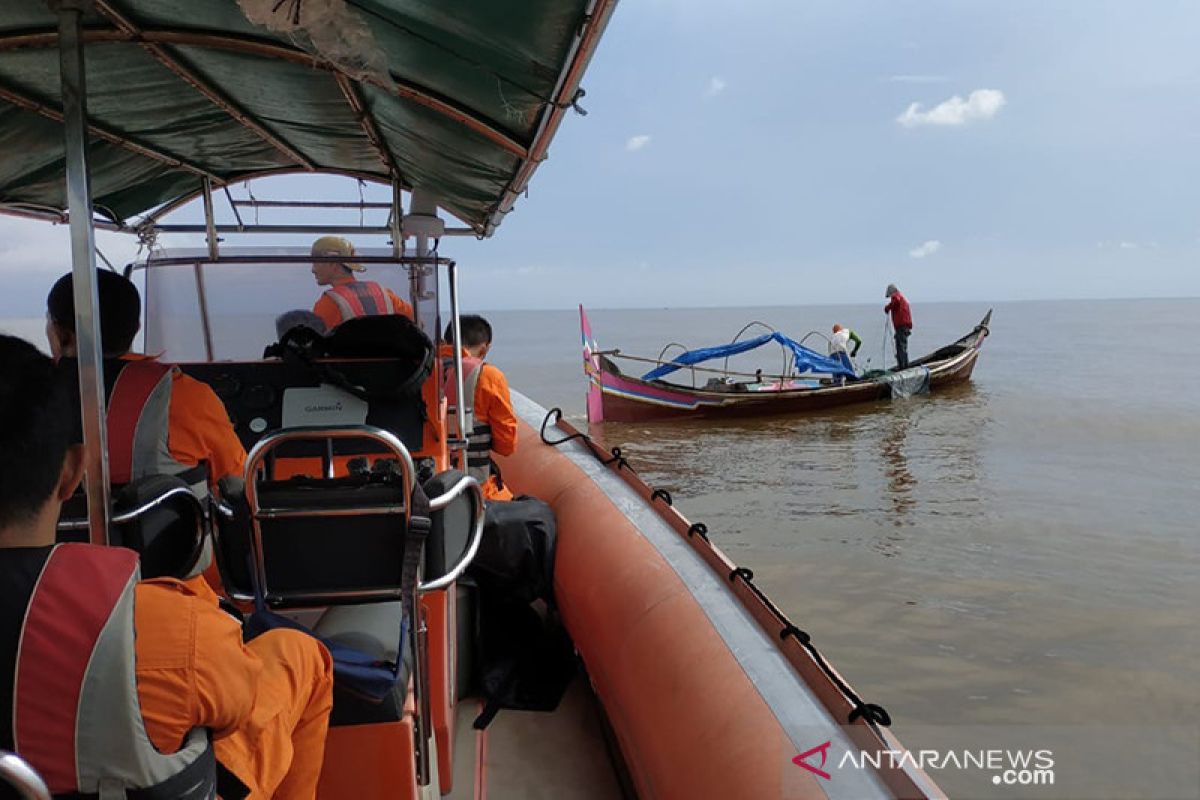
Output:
x=457 y=97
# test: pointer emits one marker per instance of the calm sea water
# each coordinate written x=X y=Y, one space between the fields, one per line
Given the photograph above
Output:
x=1021 y=550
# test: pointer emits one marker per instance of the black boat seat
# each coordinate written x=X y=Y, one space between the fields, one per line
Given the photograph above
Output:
x=158 y=517
x=372 y=629
x=301 y=553
x=312 y=554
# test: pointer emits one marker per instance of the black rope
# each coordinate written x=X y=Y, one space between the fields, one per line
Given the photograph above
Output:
x=791 y=630
x=573 y=103
x=554 y=415
x=618 y=459
x=872 y=713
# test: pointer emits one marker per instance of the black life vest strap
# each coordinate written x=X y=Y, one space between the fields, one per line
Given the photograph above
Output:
x=203 y=779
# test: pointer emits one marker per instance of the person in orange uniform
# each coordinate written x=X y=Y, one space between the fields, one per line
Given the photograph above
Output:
x=347 y=297
x=200 y=430
x=266 y=703
x=494 y=424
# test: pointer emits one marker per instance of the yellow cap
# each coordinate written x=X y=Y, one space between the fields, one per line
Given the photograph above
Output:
x=336 y=246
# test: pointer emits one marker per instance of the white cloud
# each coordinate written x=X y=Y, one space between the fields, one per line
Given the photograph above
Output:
x=716 y=85
x=980 y=104
x=1128 y=245
x=925 y=249
x=918 y=79
x=637 y=142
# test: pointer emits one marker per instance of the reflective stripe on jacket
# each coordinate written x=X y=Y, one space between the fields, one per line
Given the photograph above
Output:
x=479 y=435
x=138 y=423
x=76 y=716
x=360 y=299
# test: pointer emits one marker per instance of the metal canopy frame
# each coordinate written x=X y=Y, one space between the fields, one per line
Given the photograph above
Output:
x=161 y=43
x=156 y=39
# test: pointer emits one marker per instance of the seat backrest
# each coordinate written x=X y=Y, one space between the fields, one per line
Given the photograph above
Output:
x=159 y=517
x=450 y=527
x=310 y=541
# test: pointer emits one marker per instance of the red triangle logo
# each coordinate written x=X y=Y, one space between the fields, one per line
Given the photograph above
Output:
x=801 y=760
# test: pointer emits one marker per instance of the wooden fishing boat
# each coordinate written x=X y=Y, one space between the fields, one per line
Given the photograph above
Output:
x=616 y=396
x=690 y=682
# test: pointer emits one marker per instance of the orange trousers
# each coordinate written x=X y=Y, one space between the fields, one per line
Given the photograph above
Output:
x=278 y=752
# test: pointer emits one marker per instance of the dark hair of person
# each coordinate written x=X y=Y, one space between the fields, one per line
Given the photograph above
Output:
x=36 y=424
x=120 y=309
x=475 y=330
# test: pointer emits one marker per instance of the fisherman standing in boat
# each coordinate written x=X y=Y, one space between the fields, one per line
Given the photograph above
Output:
x=492 y=425
x=266 y=703
x=839 y=344
x=347 y=297
x=901 y=321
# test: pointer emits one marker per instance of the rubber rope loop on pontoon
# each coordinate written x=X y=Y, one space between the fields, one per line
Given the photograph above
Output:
x=802 y=637
x=871 y=713
x=556 y=414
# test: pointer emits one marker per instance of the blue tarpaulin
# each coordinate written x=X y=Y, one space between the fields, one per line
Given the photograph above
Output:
x=805 y=360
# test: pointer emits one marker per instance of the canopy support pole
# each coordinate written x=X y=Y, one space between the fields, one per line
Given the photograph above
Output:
x=83 y=263
x=422 y=223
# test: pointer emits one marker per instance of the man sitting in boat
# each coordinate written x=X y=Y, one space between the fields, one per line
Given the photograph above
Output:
x=492 y=426
x=266 y=703
x=347 y=297
x=198 y=427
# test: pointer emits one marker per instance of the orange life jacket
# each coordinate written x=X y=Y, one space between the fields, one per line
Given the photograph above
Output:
x=360 y=299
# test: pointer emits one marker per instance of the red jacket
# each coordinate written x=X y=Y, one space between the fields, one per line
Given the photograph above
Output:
x=901 y=315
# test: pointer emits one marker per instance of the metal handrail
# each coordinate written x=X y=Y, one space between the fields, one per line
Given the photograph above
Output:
x=466 y=483
x=271 y=441
x=16 y=772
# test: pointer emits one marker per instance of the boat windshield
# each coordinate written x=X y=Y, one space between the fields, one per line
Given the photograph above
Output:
x=241 y=298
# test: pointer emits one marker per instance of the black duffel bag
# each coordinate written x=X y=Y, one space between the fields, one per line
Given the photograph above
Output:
x=526 y=659
x=516 y=557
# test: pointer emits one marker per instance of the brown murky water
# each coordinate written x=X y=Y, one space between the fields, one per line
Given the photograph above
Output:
x=1023 y=550
x=1020 y=551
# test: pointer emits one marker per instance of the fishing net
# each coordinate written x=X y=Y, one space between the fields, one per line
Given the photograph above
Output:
x=908 y=382
x=329 y=30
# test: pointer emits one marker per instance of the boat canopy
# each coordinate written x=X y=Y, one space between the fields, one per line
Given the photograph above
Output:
x=804 y=360
x=459 y=99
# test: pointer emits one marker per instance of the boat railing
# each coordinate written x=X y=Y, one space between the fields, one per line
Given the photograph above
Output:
x=17 y=773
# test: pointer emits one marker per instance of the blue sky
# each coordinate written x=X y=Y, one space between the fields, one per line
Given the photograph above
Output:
x=770 y=152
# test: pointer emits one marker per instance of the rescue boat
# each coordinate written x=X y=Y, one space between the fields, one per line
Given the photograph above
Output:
x=691 y=682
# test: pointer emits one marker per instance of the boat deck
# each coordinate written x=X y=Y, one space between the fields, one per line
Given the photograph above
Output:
x=528 y=754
